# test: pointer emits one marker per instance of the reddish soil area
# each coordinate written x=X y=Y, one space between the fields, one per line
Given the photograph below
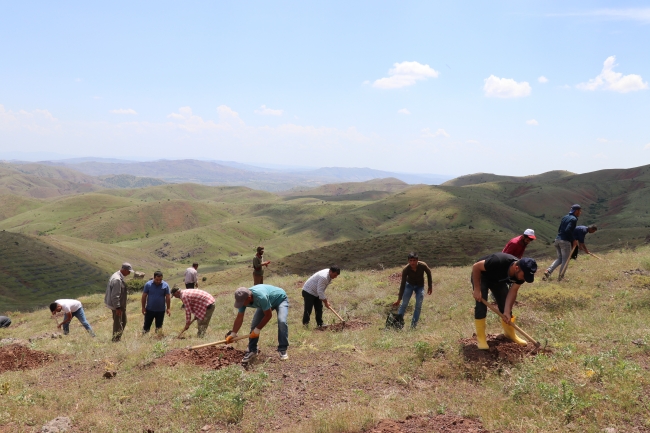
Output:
x=352 y=325
x=501 y=350
x=17 y=357
x=213 y=357
x=425 y=424
x=395 y=278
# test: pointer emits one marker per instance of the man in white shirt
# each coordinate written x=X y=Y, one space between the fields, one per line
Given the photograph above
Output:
x=192 y=277
x=313 y=293
x=71 y=308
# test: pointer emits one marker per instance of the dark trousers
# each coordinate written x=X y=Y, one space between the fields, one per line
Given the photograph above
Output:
x=312 y=302
x=258 y=279
x=189 y=285
x=500 y=291
x=119 y=323
x=149 y=317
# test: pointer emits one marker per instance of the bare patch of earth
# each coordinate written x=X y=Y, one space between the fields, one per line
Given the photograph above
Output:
x=213 y=357
x=352 y=325
x=426 y=424
x=501 y=349
x=17 y=357
x=636 y=272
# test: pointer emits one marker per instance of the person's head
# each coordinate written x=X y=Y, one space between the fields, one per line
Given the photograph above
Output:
x=243 y=297
x=260 y=250
x=195 y=265
x=55 y=308
x=529 y=236
x=413 y=259
x=157 y=277
x=176 y=292
x=524 y=270
x=592 y=228
x=576 y=210
x=335 y=271
x=126 y=269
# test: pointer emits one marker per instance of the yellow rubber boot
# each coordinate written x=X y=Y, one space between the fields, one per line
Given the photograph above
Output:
x=481 y=342
x=509 y=331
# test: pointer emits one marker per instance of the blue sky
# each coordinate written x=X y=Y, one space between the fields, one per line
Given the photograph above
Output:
x=505 y=87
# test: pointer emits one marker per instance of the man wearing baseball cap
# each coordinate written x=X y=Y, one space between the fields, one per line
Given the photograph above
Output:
x=115 y=299
x=502 y=274
x=564 y=242
x=517 y=245
x=264 y=298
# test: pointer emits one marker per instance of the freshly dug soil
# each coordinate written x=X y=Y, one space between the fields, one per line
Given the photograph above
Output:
x=214 y=357
x=352 y=325
x=501 y=350
x=18 y=357
x=425 y=424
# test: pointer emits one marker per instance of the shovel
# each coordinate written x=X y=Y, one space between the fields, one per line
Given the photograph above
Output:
x=566 y=265
x=521 y=331
x=241 y=337
x=337 y=315
x=594 y=255
x=185 y=329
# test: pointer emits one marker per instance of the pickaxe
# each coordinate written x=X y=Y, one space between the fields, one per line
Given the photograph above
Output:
x=241 y=337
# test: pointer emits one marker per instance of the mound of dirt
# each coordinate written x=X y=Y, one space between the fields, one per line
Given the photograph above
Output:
x=214 y=357
x=501 y=350
x=395 y=278
x=426 y=424
x=17 y=357
x=352 y=325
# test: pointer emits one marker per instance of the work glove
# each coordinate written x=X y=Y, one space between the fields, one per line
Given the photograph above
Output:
x=230 y=336
x=255 y=333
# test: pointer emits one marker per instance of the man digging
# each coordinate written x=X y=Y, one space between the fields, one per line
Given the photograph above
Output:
x=265 y=298
x=579 y=235
x=71 y=308
x=313 y=292
x=199 y=303
x=564 y=242
x=517 y=245
x=502 y=274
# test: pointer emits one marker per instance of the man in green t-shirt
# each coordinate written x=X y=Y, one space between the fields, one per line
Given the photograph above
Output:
x=264 y=298
x=258 y=266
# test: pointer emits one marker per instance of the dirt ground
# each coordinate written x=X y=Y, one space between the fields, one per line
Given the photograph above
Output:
x=501 y=350
x=214 y=357
x=425 y=424
x=18 y=357
x=352 y=325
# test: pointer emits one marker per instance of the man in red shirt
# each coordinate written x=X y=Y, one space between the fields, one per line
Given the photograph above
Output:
x=517 y=246
x=196 y=302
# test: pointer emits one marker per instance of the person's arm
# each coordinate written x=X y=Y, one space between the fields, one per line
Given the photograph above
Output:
x=429 y=280
x=67 y=318
x=510 y=301
x=266 y=263
x=144 y=302
x=116 y=292
x=235 y=327
x=321 y=285
x=267 y=316
x=168 y=301
x=571 y=226
x=583 y=247
x=402 y=285
x=188 y=314
x=477 y=268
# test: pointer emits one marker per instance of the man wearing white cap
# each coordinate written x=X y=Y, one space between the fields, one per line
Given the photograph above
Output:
x=115 y=299
x=517 y=245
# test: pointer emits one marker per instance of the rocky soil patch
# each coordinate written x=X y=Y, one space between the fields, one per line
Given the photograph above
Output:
x=214 y=357
x=501 y=350
x=426 y=424
x=352 y=325
x=17 y=357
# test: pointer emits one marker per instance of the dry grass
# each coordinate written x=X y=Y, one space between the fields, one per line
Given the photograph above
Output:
x=596 y=377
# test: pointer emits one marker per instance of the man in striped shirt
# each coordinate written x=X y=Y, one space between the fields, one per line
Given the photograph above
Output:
x=313 y=293
x=196 y=302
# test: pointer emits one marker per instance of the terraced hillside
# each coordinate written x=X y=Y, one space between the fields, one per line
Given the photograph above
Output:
x=33 y=273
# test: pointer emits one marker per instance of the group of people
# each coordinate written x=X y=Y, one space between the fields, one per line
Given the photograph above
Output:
x=501 y=273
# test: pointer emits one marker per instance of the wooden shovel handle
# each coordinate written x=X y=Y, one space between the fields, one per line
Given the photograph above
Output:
x=337 y=314
x=566 y=265
x=241 y=337
x=514 y=325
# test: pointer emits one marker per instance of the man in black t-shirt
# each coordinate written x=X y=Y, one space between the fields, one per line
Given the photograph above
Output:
x=503 y=274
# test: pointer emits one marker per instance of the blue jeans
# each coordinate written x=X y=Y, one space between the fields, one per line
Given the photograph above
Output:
x=283 y=327
x=79 y=314
x=406 y=297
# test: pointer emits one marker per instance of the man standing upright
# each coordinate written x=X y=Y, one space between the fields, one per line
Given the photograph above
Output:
x=314 y=293
x=413 y=282
x=192 y=277
x=155 y=297
x=199 y=303
x=258 y=266
x=115 y=299
x=564 y=242
x=517 y=245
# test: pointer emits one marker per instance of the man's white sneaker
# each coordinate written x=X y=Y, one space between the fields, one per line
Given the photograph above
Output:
x=283 y=355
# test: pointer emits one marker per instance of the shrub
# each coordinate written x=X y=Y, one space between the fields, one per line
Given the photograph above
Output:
x=134 y=286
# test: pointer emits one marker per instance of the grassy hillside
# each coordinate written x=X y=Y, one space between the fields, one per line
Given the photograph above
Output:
x=592 y=377
x=478 y=178
x=349 y=188
x=33 y=273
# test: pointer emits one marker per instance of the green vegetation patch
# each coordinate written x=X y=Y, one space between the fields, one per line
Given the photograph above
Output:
x=555 y=298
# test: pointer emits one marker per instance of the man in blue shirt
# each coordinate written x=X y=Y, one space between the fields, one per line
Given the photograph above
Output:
x=155 y=297
x=264 y=298
x=579 y=235
x=564 y=242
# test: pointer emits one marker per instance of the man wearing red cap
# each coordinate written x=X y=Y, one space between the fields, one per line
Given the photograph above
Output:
x=517 y=245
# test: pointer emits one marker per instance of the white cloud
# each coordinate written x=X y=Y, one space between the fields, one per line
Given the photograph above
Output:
x=268 y=111
x=188 y=121
x=472 y=142
x=124 y=111
x=543 y=79
x=36 y=120
x=532 y=122
x=572 y=154
x=602 y=140
x=647 y=146
x=614 y=81
x=496 y=87
x=403 y=111
x=427 y=133
x=629 y=14
x=405 y=74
